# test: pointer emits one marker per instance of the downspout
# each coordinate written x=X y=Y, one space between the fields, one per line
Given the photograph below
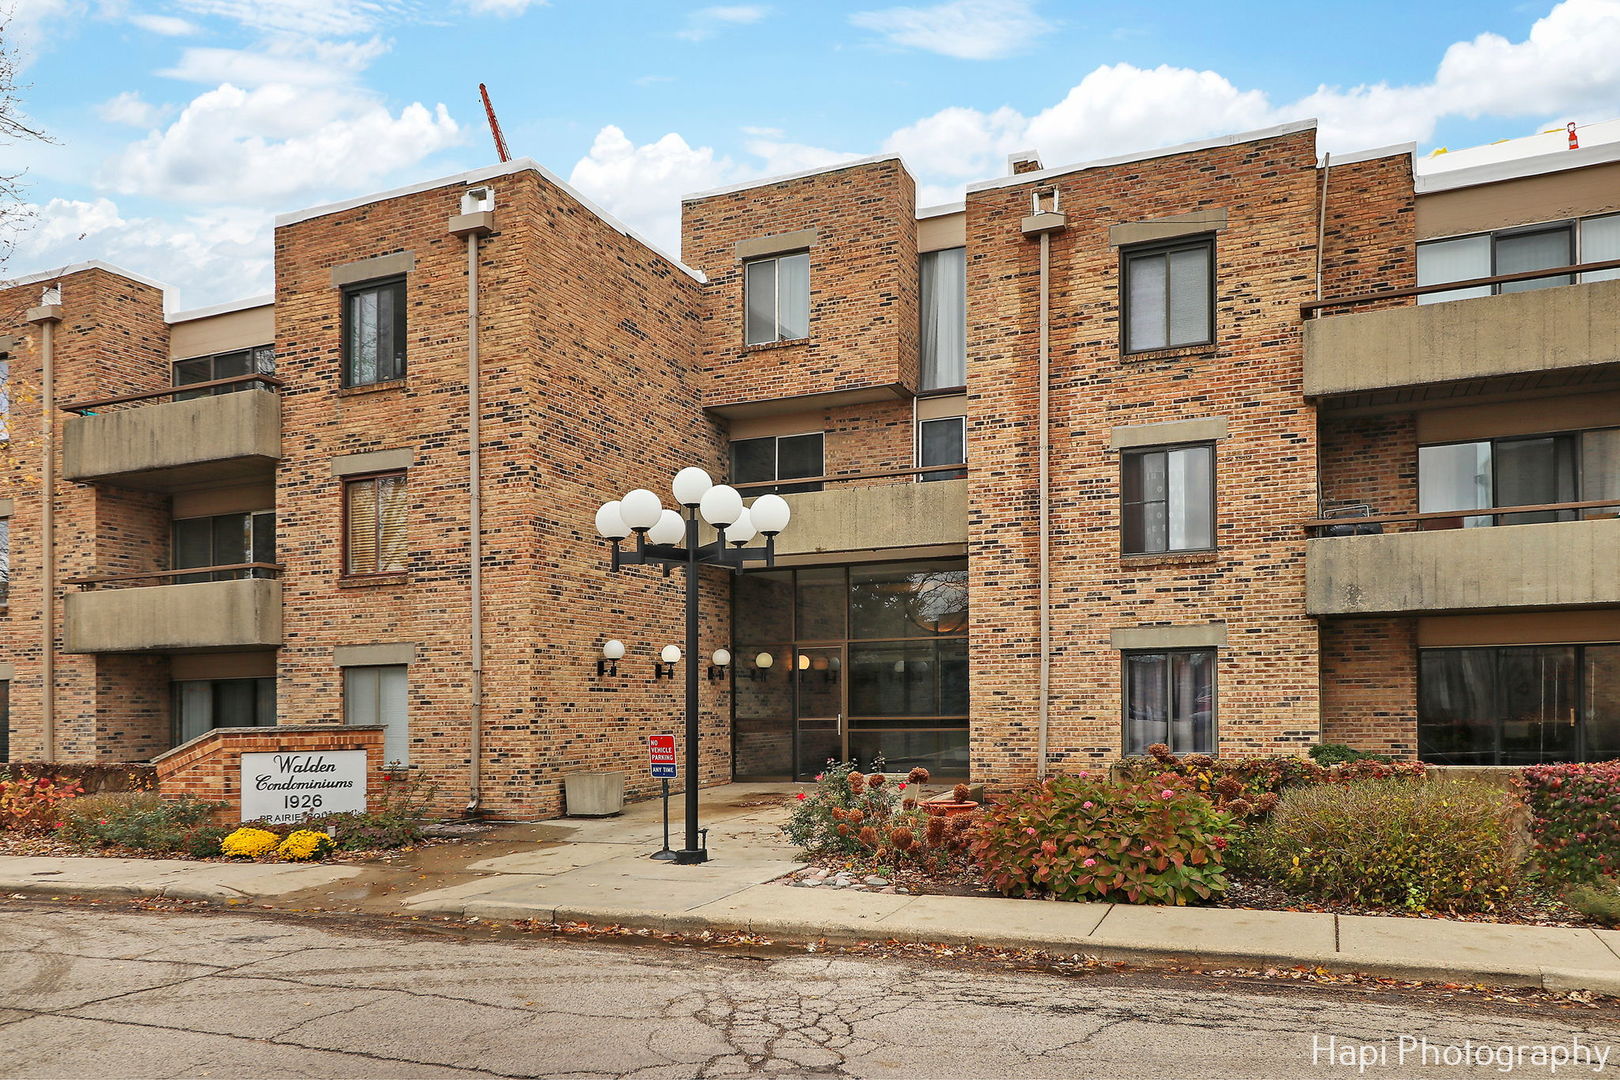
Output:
x=1043 y=221
x=1321 y=236
x=471 y=226
x=46 y=316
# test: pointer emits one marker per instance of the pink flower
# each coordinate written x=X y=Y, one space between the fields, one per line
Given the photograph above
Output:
x=1087 y=805
x=1167 y=794
x=1030 y=831
x=1089 y=862
x=800 y=795
x=819 y=775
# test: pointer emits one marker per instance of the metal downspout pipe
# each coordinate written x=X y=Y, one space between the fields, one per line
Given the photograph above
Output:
x=46 y=316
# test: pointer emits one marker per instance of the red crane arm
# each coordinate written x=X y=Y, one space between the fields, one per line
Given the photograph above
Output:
x=494 y=124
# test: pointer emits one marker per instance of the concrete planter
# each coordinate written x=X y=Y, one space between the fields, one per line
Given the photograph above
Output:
x=593 y=794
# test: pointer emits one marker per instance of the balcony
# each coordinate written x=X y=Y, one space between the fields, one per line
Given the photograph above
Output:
x=241 y=612
x=1513 y=342
x=890 y=511
x=143 y=441
x=1499 y=568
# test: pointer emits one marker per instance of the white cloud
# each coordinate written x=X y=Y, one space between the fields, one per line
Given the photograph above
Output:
x=165 y=25
x=25 y=23
x=965 y=29
x=323 y=18
x=131 y=109
x=704 y=23
x=503 y=8
x=291 y=61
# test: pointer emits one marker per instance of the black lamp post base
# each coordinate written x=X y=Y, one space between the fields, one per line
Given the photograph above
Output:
x=691 y=856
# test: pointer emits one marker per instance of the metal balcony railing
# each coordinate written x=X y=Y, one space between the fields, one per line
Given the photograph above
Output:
x=1341 y=524
x=762 y=486
x=1316 y=307
x=237 y=382
x=229 y=572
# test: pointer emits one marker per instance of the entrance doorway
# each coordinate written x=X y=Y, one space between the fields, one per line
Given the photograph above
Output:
x=818 y=676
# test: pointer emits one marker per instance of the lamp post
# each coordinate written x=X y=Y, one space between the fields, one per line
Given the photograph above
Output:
x=670 y=538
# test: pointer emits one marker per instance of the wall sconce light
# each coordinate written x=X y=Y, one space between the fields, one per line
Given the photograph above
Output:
x=722 y=660
x=665 y=668
x=762 y=666
x=612 y=650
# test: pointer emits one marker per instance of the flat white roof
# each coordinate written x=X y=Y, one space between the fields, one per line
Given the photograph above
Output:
x=74 y=268
x=1144 y=155
x=490 y=172
x=941 y=210
x=766 y=181
x=244 y=304
x=1511 y=159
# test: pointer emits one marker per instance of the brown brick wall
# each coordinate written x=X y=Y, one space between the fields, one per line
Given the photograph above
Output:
x=1368 y=240
x=1369 y=684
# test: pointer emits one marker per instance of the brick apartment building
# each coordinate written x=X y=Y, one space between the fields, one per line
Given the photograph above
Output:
x=1204 y=445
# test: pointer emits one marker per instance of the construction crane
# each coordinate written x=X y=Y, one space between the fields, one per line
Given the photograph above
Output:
x=494 y=124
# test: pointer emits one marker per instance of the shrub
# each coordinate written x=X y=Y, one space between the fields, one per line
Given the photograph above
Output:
x=34 y=804
x=137 y=819
x=203 y=841
x=1574 y=819
x=1076 y=838
x=249 y=843
x=1248 y=788
x=1340 y=754
x=831 y=816
x=1439 y=846
x=95 y=777
x=1598 y=900
x=357 y=830
x=305 y=844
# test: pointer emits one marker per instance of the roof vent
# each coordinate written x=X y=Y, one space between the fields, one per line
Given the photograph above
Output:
x=477 y=200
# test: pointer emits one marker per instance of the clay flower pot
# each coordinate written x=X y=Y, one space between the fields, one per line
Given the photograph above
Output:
x=948 y=809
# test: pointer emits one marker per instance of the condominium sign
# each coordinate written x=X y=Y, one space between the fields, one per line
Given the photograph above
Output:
x=292 y=787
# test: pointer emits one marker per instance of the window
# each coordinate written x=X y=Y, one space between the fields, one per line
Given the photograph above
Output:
x=377 y=695
x=942 y=442
x=1522 y=471
x=1516 y=251
x=944 y=318
x=1169 y=499
x=1170 y=699
x=1519 y=705
x=776 y=296
x=256 y=361
x=223 y=540
x=1168 y=295
x=374 y=332
x=200 y=705
x=777 y=457
x=374 y=529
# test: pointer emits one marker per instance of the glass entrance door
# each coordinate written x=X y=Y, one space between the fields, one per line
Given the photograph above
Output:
x=818 y=707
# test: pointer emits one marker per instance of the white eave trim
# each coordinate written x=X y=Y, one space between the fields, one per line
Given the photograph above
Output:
x=74 y=268
x=245 y=304
x=1355 y=156
x=942 y=210
x=766 y=181
x=490 y=172
x=1497 y=171
x=1145 y=155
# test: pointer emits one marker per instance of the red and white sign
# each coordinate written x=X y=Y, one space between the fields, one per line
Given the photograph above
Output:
x=661 y=755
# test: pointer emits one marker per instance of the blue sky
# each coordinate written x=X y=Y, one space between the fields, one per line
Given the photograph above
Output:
x=181 y=127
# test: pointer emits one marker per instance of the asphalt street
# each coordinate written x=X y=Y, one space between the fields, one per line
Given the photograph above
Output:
x=114 y=992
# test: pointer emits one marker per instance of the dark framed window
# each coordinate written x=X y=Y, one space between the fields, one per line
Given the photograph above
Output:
x=1516 y=251
x=776 y=298
x=374 y=332
x=374 y=525
x=1519 y=704
x=1168 y=294
x=200 y=705
x=222 y=540
x=942 y=442
x=1524 y=470
x=260 y=360
x=1170 y=698
x=1168 y=499
x=778 y=457
x=943 y=280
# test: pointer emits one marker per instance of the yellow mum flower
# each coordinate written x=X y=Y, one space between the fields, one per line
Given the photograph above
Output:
x=248 y=843
x=305 y=844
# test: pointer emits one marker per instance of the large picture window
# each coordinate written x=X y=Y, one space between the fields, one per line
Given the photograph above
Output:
x=776 y=299
x=1517 y=251
x=374 y=332
x=1531 y=470
x=200 y=705
x=1519 y=705
x=1168 y=294
x=374 y=526
x=223 y=540
x=1168 y=499
x=943 y=276
x=777 y=457
x=1170 y=699
x=226 y=365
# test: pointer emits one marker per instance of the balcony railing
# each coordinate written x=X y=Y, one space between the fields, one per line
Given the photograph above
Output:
x=1367 y=524
x=235 y=382
x=760 y=487
x=228 y=572
x=1315 y=307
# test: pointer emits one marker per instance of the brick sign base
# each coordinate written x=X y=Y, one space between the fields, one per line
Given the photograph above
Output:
x=210 y=766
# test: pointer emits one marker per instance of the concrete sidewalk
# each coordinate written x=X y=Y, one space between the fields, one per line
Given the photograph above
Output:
x=597 y=871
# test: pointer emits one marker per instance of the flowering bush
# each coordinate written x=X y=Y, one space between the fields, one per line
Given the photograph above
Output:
x=305 y=844
x=1447 y=845
x=1249 y=787
x=1078 y=838
x=846 y=811
x=34 y=804
x=143 y=821
x=249 y=843
x=1574 y=819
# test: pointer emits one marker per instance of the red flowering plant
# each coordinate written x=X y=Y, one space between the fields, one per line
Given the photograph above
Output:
x=847 y=811
x=33 y=803
x=1574 y=819
x=1155 y=841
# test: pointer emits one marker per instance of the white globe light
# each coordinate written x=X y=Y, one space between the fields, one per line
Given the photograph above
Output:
x=609 y=524
x=764 y=660
x=641 y=509
x=690 y=485
x=741 y=531
x=671 y=529
x=721 y=658
x=671 y=655
x=770 y=514
x=721 y=504
x=612 y=649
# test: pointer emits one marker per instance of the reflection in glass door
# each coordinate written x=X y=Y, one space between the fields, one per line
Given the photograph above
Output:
x=818 y=707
